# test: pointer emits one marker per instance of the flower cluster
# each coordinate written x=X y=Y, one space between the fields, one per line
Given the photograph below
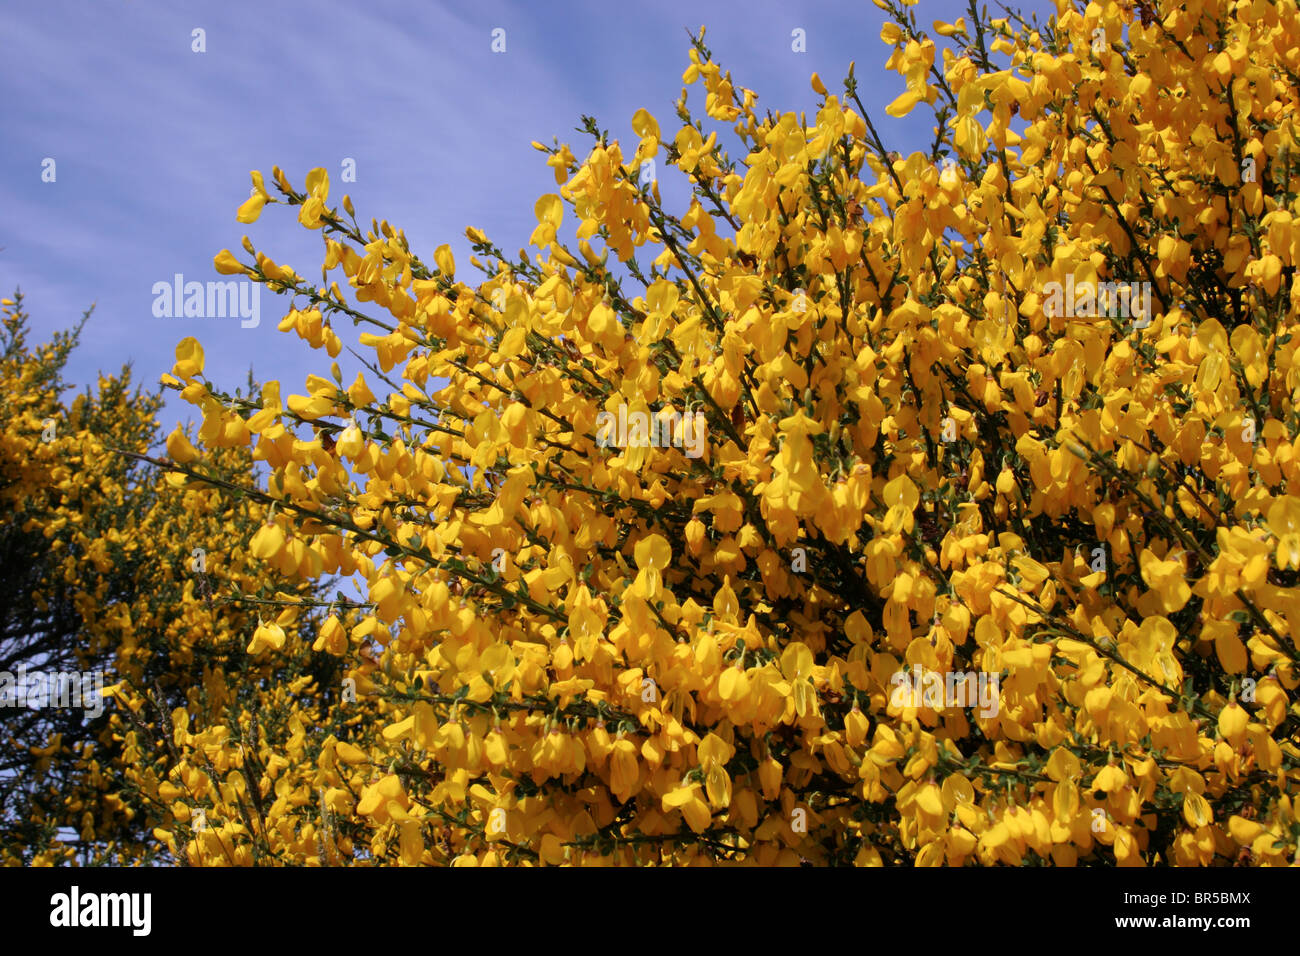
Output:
x=570 y=650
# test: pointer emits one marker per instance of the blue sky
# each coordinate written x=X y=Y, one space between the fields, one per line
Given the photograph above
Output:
x=153 y=142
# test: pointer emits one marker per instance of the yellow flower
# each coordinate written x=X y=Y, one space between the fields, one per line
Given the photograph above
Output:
x=189 y=358
x=266 y=635
x=1284 y=522
x=179 y=448
x=1166 y=578
x=226 y=263
x=332 y=639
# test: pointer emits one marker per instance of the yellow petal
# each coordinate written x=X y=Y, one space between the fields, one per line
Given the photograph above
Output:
x=796 y=661
x=445 y=260
x=1196 y=810
x=267 y=543
x=179 y=448
x=226 y=263
x=653 y=552
x=251 y=209
x=549 y=210
x=349 y=754
x=318 y=183
x=679 y=797
x=904 y=104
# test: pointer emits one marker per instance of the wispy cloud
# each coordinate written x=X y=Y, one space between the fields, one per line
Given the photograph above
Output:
x=153 y=142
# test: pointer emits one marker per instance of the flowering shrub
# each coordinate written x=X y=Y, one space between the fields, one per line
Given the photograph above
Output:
x=1014 y=416
x=108 y=576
